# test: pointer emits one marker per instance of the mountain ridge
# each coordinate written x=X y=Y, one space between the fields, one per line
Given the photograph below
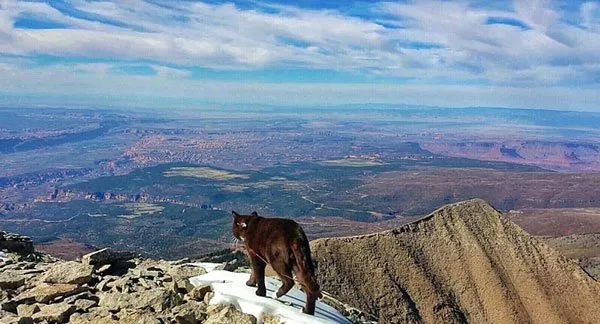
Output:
x=464 y=262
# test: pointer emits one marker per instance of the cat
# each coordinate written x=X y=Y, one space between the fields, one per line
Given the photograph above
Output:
x=283 y=244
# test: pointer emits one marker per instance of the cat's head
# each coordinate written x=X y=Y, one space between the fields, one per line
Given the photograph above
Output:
x=240 y=224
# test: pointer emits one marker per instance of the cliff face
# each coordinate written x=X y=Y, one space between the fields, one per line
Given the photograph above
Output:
x=463 y=263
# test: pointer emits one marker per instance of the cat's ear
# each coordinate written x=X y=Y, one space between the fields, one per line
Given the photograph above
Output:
x=254 y=213
x=234 y=214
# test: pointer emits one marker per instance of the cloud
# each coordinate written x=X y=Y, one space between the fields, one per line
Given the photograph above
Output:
x=165 y=71
x=521 y=44
x=98 y=85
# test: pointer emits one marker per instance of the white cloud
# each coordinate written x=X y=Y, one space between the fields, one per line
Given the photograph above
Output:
x=439 y=42
x=165 y=71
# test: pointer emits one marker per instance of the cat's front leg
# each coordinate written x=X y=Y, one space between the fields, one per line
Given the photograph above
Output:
x=259 y=271
x=252 y=281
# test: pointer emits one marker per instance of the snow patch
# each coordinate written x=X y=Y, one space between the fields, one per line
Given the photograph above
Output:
x=208 y=266
x=230 y=287
x=3 y=257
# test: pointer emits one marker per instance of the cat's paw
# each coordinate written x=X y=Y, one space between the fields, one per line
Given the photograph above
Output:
x=261 y=292
x=251 y=283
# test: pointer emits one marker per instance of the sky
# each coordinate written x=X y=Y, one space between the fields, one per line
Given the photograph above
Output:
x=157 y=53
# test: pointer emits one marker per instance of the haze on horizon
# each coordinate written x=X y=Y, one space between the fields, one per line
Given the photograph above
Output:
x=157 y=53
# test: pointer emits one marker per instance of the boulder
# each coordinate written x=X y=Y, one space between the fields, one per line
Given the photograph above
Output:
x=185 y=271
x=95 y=316
x=11 y=279
x=15 y=243
x=270 y=319
x=158 y=300
x=103 y=284
x=25 y=310
x=137 y=317
x=70 y=272
x=199 y=292
x=83 y=305
x=54 y=313
x=227 y=313
x=12 y=319
x=183 y=286
x=44 y=293
x=106 y=256
x=192 y=312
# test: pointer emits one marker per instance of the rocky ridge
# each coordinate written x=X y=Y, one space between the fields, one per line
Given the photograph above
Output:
x=109 y=287
x=464 y=263
x=106 y=287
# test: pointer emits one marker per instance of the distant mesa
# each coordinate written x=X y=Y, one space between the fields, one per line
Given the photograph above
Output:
x=510 y=152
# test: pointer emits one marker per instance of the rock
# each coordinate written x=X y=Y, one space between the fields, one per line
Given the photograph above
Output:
x=119 y=284
x=183 y=286
x=158 y=299
x=11 y=319
x=106 y=256
x=103 y=269
x=84 y=295
x=233 y=265
x=84 y=305
x=180 y=262
x=144 y=273
x=16 y=243
x=70 y=272
x=11 y=280
x=208 y=297
x=54 y=313
x=198 y=293
x=103 y=284
x=95 y=316
x=271 y=319
x=185 y=271
x=137 y=317
x=148 y=284
x=219 y=314
x=191 y=312
x=25 y=310
x=44 y=293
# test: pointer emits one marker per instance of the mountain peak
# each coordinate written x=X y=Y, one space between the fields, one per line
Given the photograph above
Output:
x=465 y=262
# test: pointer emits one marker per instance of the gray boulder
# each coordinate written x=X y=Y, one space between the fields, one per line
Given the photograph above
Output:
x=70 y=272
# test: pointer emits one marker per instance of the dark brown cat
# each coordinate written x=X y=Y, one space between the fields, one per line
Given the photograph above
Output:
x=283 y=244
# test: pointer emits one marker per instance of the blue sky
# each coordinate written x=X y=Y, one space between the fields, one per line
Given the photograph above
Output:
x=522 y=53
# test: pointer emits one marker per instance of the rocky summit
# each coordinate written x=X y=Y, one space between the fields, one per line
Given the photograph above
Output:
x=464 y=263
x=117 y=287
x=106 y=287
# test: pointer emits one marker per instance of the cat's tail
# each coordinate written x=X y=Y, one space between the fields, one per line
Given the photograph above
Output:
x=306 y=269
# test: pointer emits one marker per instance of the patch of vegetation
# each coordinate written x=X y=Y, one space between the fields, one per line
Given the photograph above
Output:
x=204 y=173
x=136 y=210
x=353 y=162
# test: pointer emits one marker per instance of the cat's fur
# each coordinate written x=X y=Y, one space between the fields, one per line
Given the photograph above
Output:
x=283 y=244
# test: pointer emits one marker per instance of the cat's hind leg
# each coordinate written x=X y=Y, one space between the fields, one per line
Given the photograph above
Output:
x=285 y=274
x=312 y=290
